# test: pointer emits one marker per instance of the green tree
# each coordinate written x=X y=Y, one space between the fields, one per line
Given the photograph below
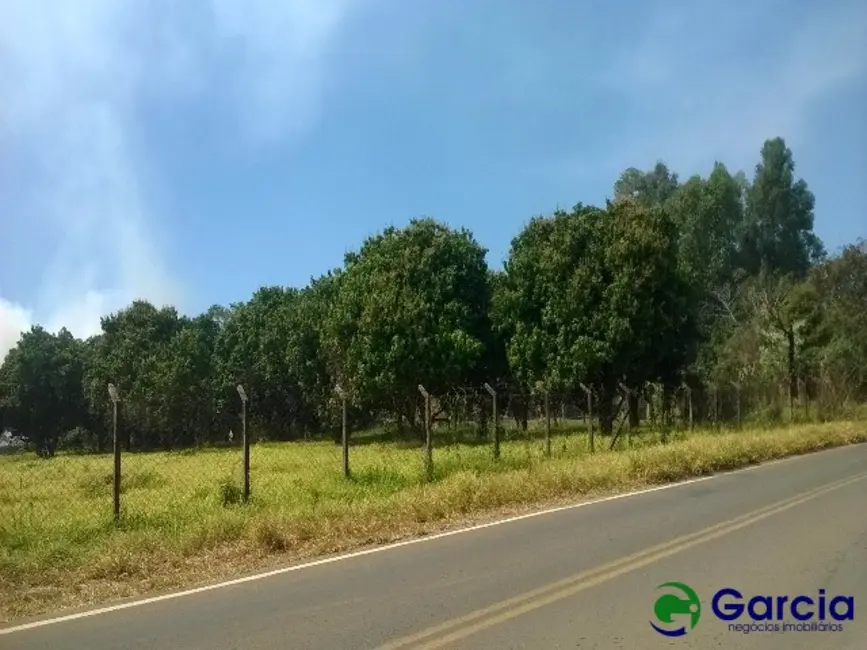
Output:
x=176 y=383
x=710 y=279
x=597 y=296
x=709 y=217
x=779 y=237
x=310 y=353
x=777 y=248
x=273 y=346
x=412 y=308
x=252 y=350
x=650 y=188
x=124 y=354
x=840 y=340
x=41 y=388
x=709 y=214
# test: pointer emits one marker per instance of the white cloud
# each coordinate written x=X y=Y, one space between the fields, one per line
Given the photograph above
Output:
x=69 y=87
x=74 y=75
x=13 y=320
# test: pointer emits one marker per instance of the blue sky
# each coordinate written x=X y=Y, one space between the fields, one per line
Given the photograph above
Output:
x=192 y=152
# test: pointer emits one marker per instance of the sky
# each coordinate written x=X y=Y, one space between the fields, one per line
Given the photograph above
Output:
x=189 y=153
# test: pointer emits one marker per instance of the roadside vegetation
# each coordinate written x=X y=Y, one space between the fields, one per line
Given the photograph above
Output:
x=61 y=549
x=639 y=317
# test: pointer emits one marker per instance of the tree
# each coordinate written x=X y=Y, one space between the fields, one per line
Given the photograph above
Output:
x=412 y=307
x=710 y=279
x=778 y=307
x=841 y=338
x=253 y=349
x=709 y=215
x=779 y=237
x=124 y=354
x=176 y=382
x=41 y=388
x=219 y=314
x=651 y=188
x=764 y=299
x=310 y=352
x=597 y=296
x=502 y=329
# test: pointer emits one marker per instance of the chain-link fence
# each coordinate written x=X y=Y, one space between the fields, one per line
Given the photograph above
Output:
x=486 y=428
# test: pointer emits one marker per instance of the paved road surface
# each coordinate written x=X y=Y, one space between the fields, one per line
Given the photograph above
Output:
x=579 y=578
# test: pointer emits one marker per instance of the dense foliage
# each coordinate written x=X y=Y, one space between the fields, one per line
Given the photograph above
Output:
x=709 y=279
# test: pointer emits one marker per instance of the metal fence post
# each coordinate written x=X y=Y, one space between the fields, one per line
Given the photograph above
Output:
x=541 y=388
x=547 y=423
x=627 y=391
x=649 y=412
x=493 y=395
x=715 y=390
x=737 y=388
x=344 y=430
x=245 y=440
x=589 y=394
x=690 y=415
x=112 y=393
x=428 y=446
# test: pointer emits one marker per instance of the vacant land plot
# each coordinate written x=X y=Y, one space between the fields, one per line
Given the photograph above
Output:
x=182 y=521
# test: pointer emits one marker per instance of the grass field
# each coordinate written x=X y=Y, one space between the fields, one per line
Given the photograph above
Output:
x=182 y=521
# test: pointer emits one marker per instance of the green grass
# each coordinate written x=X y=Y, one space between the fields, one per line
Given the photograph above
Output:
x=182 y=519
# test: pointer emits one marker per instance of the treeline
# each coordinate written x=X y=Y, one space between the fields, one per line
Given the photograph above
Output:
x=711 y=279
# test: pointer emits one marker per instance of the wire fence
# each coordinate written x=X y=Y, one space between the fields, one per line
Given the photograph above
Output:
x=466 y=429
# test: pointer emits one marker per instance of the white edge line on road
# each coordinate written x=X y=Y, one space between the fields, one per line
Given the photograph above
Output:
x=377 y=549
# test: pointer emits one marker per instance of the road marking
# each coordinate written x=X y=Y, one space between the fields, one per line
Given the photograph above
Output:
x=380 y=549
x=447 y=633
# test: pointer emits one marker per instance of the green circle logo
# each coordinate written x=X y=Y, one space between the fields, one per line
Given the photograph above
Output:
x=667 y=606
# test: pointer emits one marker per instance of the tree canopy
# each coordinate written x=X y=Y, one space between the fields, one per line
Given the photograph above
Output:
x=707 y=279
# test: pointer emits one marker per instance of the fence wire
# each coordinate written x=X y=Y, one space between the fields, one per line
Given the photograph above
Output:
x=297 y=467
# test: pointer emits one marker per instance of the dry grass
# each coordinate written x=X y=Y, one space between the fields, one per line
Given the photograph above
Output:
x=182 y=522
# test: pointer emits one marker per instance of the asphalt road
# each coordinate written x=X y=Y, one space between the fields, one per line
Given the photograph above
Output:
x=580 y=578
